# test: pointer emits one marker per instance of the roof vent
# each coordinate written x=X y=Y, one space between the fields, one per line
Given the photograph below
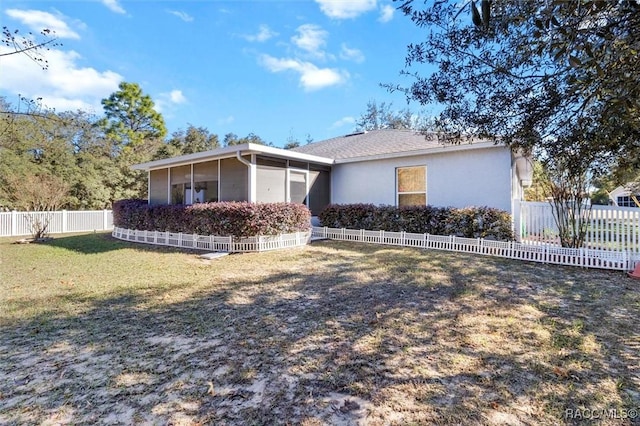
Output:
x=356 y=133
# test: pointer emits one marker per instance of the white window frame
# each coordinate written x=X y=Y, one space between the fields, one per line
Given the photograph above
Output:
x=398 y=193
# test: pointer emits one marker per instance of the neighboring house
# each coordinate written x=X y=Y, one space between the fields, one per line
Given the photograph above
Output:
x=394 y=167
x=624 y=196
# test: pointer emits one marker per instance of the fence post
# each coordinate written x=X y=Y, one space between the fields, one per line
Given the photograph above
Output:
x=14 y=222
x=105 y=219
x=64 y=221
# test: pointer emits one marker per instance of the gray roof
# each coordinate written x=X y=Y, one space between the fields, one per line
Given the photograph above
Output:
x=373 y=143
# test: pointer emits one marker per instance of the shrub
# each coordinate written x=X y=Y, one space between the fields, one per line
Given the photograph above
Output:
x=469 y=222
x=238 y=219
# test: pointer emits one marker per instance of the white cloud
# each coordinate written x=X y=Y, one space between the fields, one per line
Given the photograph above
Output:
x=64 y=86
x=182 y=15
x=168 y=100
x=114 y=6
x=177 y=97
x=349 y=54
x=311 y=38
x=311 y=77
x=38 y=20
x=344 y=121
x=264 y=33
x=341 y=9
x=386 y=13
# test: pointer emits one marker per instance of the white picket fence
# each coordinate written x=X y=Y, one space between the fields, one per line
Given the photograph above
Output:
x=543 y=253
x=610 y=227
x=16 y=223
x=213 y=242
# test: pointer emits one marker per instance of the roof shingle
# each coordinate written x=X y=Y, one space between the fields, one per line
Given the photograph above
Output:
x=371 y=143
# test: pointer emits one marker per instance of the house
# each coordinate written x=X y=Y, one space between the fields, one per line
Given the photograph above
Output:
x=393 y=167
x=625 y=196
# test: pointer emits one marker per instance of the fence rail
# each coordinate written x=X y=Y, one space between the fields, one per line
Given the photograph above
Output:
x=213 y=242
x=609 y=227
x=16 y=223
x=543 y=253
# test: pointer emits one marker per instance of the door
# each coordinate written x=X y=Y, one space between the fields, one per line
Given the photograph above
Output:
x=298 y=186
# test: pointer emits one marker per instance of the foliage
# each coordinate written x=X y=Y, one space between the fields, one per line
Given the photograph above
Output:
x=469 y=222
x=40 y=194
x=568 y=193
x=231 y=139
x=536 y=192
x=130 y=118
x=193 y=139
x=536 y=75
x=239 y=219
x=134 y=131
x=382 y=116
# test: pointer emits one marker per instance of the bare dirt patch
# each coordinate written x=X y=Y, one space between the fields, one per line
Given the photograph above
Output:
x=335 y=333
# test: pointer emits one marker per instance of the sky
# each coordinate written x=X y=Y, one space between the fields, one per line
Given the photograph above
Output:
x=283 y=70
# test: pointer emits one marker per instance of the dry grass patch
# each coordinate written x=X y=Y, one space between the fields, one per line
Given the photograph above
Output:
x=95 y=330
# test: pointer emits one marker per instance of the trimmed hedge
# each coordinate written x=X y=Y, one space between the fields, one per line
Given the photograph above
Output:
x=469 y=222
x=239 y=219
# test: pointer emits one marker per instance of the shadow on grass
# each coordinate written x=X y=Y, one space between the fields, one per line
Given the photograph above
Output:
x=103 y=242
x=363 y=332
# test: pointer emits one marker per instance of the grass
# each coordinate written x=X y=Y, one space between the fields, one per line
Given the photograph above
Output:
x=95 y=330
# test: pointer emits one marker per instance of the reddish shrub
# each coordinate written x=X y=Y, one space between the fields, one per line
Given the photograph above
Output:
x=469 y=222
x=239 y=219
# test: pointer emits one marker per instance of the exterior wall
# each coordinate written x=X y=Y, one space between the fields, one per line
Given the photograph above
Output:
x=477 y=177
x=158 y=189
x=234 y=180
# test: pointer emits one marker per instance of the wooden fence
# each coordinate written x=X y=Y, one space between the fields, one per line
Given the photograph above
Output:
x=610 y=227
x=214 y=243
x=543 y=253
x=20 y=223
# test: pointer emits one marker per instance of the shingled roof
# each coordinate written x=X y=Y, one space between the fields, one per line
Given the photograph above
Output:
x=372 y=143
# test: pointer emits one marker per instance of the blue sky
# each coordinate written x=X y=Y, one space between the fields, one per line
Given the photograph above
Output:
x=280 y=69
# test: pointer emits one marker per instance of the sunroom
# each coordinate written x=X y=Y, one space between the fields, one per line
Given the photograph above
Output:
x=248 y=172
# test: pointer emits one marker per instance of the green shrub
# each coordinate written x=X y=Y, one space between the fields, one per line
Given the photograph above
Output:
x=238 y=219
x=469 y=222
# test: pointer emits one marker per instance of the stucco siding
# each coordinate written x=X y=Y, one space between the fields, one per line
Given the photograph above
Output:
x=480 y=177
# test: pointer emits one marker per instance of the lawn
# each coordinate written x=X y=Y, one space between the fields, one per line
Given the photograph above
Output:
x=94 y=330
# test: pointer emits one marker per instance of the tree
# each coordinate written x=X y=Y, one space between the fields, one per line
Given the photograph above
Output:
x=533 y=73
x=194 y=139
x=30 y=46
x=231 y=139
x=135 y=132
x=382 y=116
x=537 y=192
x=130 y=119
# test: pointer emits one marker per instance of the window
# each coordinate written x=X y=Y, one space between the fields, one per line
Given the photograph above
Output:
x=627 y=201
x=205 y=182
x=411 y=186
x=181 y=185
